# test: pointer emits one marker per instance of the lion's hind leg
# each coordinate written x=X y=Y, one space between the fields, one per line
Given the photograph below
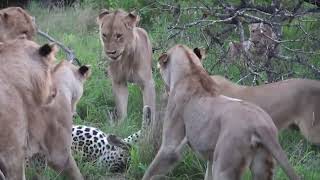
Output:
x=262 y=165
x=231 y=158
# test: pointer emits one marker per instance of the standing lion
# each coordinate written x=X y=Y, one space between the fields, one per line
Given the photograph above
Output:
x=130 y=53
x=230 y=134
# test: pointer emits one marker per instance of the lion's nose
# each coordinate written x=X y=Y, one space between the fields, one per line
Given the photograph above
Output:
x=111 y=52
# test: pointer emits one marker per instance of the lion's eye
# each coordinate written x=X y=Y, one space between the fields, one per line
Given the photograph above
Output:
x=118 y=36
x=104 y=35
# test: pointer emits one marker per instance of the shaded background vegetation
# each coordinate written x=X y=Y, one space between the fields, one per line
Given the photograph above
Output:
x=191 y=23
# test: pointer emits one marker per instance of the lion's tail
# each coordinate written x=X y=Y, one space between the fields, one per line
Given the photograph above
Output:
x=270 y=142
x=146 y=121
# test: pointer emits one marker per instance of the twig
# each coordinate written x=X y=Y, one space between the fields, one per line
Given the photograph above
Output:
x=241 y=33
x=297 y=59
x=205 y=38
x=243 y=78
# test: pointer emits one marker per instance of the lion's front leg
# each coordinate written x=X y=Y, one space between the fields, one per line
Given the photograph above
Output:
x=173 y=141
x=120 y=91
x=165 y=160
x=63 y=161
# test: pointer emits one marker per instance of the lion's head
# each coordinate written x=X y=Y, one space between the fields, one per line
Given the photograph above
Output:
x=15 y=22
x=259 y=31
x=70 y=79
x=28 y=68
x=116 y=31
x=179 y=56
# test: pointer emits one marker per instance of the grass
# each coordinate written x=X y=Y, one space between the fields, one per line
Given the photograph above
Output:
x=77 y=29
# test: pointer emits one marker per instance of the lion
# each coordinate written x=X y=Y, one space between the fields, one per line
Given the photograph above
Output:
x=15 y=22
x=26 y=84
x=289 y=102
x=231 y=133
x=69 y=80
x=35 y=115
x=129 y=51
x=258 y=47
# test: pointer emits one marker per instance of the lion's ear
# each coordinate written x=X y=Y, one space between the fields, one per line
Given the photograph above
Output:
x=48 y=51
x=4 y=16
x=200 y=52
x=163 y=59
x=85 y=71
x=133 y=19
x=45 y=50
x=254 y=26
x=19 y=9
x=102 y=14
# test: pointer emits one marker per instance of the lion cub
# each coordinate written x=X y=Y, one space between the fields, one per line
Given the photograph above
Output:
x=130 y=53
x=69 y=80
x=228 y=132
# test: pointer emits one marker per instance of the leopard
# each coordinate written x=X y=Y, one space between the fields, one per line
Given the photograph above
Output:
x=107 y=150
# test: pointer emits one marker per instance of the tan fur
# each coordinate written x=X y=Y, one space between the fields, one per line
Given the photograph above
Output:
x=288 y=102
x=129 y=50
x=70 y=80
x=16 y=22
x=35 y=113
x=51 y=129
x=231 y=134
x=26 y=85
x=293 y=101
x=261 y=44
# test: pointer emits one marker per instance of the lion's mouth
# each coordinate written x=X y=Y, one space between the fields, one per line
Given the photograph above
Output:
x=115 y=57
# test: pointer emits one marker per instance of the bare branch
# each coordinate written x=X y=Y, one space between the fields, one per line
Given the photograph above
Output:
x=243 y=78
x=207 y=19
x=241 y=32
x=299 y=60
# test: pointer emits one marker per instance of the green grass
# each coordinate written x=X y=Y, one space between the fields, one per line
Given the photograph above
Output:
x=77 y=29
